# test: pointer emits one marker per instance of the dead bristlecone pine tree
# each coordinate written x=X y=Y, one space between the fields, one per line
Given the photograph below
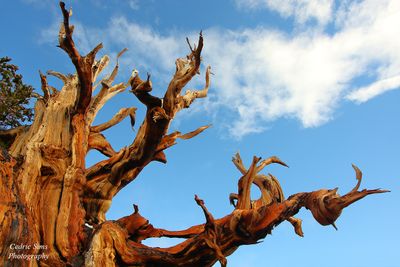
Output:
x=54 y=206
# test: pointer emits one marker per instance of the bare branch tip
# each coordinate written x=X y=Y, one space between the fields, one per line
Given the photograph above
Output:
x=358 y=177
x=190 y=46
x=122 y=52
x=199 y=202
x=135 y=208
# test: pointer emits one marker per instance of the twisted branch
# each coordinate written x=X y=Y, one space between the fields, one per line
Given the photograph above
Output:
x=83 y=65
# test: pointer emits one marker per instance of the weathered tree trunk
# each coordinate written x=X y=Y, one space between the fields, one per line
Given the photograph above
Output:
x=53 y=206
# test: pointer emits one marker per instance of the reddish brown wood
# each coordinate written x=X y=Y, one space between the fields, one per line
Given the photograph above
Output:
x=51 y=198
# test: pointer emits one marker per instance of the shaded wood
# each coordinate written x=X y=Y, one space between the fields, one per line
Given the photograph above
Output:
x=52 y=198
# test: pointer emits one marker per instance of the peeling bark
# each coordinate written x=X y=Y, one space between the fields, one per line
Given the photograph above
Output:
x=51 y=198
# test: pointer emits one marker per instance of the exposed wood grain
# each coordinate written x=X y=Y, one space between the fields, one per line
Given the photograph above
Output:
x=51 y=198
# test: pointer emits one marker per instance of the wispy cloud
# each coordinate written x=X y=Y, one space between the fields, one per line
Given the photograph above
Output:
x=263 y=75
x=86 y=38
x=366 y=93
x=268 y=75
x=148 y=46
x=302 y=10
x=134 y=4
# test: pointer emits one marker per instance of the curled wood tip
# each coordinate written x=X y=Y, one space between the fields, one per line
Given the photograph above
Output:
x=327 y=205
x=358 y=177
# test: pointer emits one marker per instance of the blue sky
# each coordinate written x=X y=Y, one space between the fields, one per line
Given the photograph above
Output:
x=313 y=82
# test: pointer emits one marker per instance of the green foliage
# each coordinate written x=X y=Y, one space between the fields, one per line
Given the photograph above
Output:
x=14 y=96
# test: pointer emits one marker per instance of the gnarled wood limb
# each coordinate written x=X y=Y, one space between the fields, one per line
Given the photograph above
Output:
x=186 y=68
x=121 y=114
x=190 y=95
x=249 y=177
x=217 y=238
x=58 y=75
x=105 y=94
x=329 y=204
x=211 y=233
x=52 y=199
x=107 y=91
x=244 y=185
x=106 y=178
x=45 y=89
x=269 y=186
x=83 y=65
x=170 y=139
x=99 y=142
x=100 y=188
x=98 y=67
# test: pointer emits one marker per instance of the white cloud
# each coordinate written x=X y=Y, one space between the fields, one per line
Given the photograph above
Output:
x=147 y=46
x=301 y=10
x=366 y=93
x=86 y=39
x=263 y=75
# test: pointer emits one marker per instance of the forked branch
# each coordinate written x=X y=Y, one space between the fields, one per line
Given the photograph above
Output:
x=190 y=95
x=211 y=232
x=83 y=65
x=218 y=238
x=106 y=178
x=99 y=142
x=186 y=69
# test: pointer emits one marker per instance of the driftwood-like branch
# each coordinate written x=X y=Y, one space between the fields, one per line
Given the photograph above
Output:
x=186 y=69
x=98 y=67
x=249 y=177
x=44 y=86
x=103 y=63
x=269 y=187
x=121 y=114
x=106 y=178
x=211 y=232
x=54 y=200
x=170 y=139
x=218 y=238
x=138 y=85
x=83 y=65
x=329 y=204
x=245 y=182
x=58 y=75
x=99 y=142
x=141 y=89
x=105 y=94
x=190 y=95
x=107 y=90
x=237 y=161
